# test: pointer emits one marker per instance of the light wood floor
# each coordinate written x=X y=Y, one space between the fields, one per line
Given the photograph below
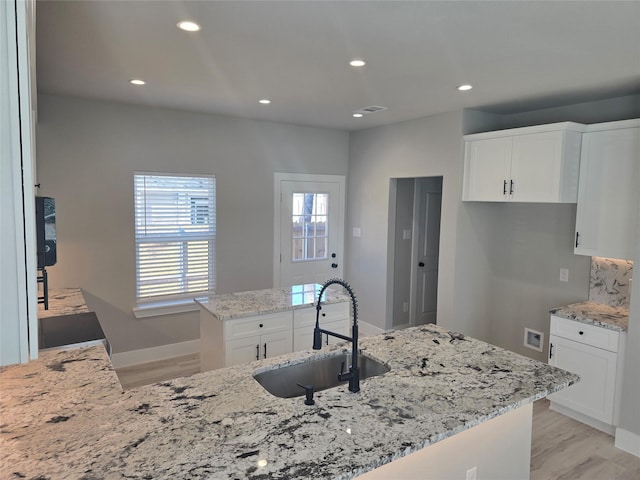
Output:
x=561 y=448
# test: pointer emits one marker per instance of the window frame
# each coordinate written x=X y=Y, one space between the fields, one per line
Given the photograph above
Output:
x=182 y=285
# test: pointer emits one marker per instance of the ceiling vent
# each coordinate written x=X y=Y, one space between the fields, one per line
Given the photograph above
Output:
x=371 y=109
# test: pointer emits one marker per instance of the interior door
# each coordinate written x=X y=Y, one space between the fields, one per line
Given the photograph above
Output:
x=429 y=198
x=311 y=231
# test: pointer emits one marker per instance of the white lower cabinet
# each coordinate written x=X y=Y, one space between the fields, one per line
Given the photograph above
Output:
x=244 y=350
x=593 y=353
x=257 y=337
x=241 y=340
x=333 y=317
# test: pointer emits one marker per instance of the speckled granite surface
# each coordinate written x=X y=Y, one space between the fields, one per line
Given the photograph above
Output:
x=258 y=302
x=63 y=301
x=614 y=318
x=609 y=282
x=66 y=417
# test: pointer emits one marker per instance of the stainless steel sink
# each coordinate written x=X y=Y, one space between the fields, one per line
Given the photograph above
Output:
x=322 y=373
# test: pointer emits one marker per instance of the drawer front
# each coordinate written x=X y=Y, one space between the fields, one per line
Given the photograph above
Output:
x=303 y=317
x=258 y=325
x=588 y=334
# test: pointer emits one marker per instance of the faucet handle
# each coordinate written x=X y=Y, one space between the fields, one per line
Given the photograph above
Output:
x=309 y=394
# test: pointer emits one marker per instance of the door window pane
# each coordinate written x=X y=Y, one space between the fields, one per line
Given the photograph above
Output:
x=309 y=226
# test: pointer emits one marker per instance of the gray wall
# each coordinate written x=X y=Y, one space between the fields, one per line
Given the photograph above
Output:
x=87 y=153
x=425 y=147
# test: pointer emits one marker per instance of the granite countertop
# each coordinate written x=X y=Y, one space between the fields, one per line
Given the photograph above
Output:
x=272 y=300
x=63 y=301
x=599 y=314
x=65 y=415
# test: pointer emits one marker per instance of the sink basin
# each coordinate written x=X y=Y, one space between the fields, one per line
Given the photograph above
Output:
x=322 y=373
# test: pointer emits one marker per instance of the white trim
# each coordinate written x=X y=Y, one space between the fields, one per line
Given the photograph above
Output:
x=161 y=352
x=628 y=441
x=581 y=417
x=368 y=330
x=278 y=178
x=166 y=307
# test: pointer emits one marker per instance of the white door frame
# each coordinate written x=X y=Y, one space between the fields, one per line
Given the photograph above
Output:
x=278 y=178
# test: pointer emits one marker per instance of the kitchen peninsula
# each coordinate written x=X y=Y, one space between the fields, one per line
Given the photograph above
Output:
x=66 y=416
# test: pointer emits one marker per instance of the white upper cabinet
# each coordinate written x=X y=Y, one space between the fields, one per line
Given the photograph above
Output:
x=608 y=196
x=531 y=164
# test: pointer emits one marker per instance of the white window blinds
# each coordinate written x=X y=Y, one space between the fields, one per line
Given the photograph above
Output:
x=175 y=231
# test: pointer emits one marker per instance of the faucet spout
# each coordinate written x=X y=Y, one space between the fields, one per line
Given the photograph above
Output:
x=353 y=376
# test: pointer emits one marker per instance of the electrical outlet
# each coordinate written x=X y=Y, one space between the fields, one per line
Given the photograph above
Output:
x=356 y=231
x=472 y=473
x=406 y=234
x=564 y=274
x=405 y=307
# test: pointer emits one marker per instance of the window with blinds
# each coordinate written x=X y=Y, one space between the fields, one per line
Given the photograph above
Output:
x=175 y=231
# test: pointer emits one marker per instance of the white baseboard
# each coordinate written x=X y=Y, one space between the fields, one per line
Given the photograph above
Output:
x=581 y=417
x=628 y=441
x=366 y=329
x=161 y=352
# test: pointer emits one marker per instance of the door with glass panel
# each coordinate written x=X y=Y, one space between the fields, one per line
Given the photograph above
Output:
x=311 y=219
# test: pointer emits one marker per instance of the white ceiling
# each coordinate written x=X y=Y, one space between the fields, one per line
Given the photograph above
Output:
x=519 y=55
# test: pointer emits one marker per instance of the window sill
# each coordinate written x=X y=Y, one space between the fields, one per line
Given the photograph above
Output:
x=166 y=307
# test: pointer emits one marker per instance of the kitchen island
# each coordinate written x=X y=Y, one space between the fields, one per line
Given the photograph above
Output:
x=65 y=415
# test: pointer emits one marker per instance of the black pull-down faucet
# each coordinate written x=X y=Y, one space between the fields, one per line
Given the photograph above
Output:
x=353 y=375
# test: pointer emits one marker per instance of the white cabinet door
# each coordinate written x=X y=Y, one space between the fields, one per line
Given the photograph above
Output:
x=274 y=344
x=594 y=394
x=249 y=349
x=242 y=350
x=608 y=193
x=487 y=169
x=334 y=317
x=536 y=167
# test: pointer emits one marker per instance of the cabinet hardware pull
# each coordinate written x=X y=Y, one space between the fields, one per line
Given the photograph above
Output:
x=258 y=352
x=511 y=188
x=261 y=325
x=504 y=187
x=265 y=350
x=577 y=237
x=550 y=350
x=581 y=332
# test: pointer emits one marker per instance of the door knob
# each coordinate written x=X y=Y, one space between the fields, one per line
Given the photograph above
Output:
x=421 y=264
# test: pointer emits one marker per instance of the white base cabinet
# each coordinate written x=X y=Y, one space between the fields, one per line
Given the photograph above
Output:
x=609 y=186
x=256 y=338
x=531 y=164
x=594 y=353
x=241 y=340
x=333 y=317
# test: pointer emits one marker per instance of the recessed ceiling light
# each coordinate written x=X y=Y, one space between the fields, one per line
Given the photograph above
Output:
x=188 y=26
x=357 y=63
x=265 y=101
x=358 y=115
x=137 y=81
x=464 y=88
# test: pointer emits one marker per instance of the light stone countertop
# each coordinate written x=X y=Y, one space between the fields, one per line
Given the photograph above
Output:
x=272 y=300
x=592 y=313
x=63 y=301
x=65 y=415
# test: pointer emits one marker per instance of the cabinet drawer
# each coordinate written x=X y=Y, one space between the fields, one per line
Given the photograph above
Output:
x=304 y=317
x=258 y=325
x=588 y=334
